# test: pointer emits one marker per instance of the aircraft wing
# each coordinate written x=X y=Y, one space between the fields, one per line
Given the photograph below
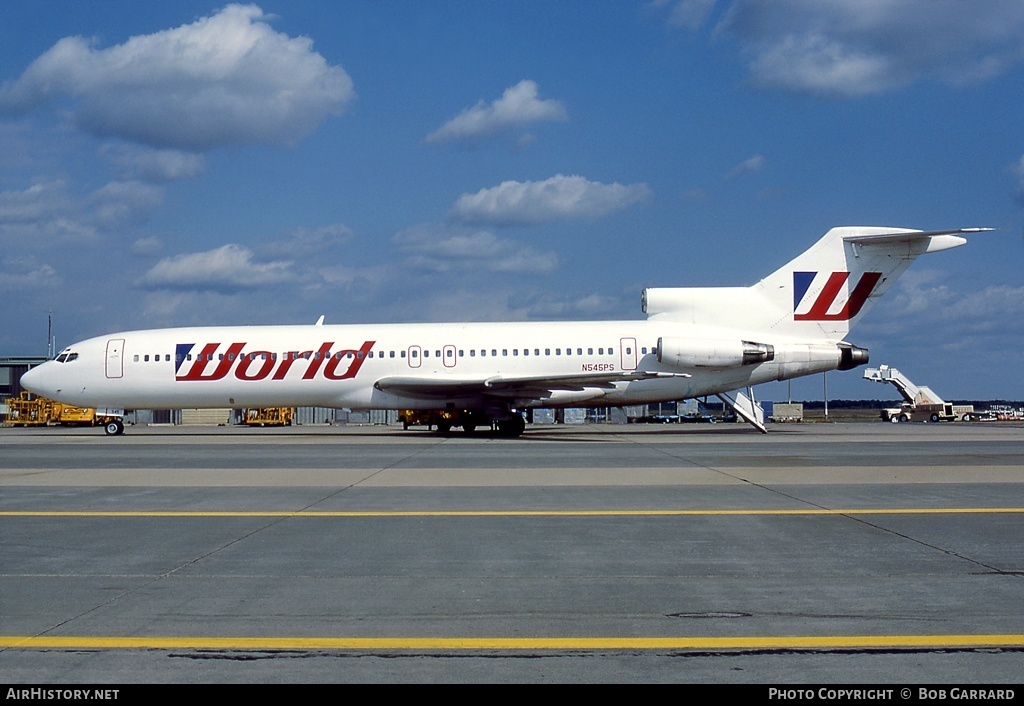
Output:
x=517 y=386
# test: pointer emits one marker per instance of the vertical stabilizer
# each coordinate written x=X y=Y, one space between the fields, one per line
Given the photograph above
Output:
x=817 y=296
x=824 y=291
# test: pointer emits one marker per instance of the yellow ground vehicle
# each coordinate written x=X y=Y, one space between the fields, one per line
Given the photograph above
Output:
x=28 y=410
x=270 y=416
x=73 y=416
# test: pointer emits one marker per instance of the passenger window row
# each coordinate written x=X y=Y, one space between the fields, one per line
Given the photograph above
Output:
x=413 y=352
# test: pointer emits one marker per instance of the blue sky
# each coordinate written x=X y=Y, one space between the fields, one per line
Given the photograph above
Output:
x=192 y=163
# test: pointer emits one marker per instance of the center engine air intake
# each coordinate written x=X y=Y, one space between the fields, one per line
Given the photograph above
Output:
x=712 y=352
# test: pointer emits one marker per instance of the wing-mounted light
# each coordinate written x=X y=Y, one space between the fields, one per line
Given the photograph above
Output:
x=712 y=352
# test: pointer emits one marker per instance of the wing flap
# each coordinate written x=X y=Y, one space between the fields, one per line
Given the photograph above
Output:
x=518 y=386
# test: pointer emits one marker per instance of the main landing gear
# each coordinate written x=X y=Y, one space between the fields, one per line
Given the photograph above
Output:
x=501 y=421
x=511 y=426
x=114 y=426
x=507 y=424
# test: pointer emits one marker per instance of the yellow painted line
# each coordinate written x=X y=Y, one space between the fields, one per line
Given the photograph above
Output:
x=512 y=643
x=508 y=513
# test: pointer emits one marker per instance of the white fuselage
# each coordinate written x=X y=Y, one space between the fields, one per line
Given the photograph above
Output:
x=695 y=342
x=339 y=366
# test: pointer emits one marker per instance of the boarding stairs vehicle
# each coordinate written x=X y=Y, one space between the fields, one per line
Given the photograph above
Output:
x=920 y=404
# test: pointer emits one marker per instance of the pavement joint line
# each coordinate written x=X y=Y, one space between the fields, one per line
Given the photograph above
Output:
x=808 y=642
x=315 y=514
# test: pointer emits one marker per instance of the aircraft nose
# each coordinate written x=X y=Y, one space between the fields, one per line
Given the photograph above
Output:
x=39 y=381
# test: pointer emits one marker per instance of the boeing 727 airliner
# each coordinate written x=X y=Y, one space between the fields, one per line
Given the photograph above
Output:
x=694 y=342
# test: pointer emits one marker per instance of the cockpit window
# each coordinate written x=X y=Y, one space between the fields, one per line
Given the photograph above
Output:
x=67 y=357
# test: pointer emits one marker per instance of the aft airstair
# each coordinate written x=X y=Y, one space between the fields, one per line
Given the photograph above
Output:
x=745 y=407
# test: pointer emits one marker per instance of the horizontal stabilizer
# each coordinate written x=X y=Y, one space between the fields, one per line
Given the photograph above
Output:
x=905 y=236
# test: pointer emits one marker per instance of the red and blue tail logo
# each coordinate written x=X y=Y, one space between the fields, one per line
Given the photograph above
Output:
x=827 y=306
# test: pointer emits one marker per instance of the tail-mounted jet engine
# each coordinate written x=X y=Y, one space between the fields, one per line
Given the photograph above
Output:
x=851 y=356
x=712 y=352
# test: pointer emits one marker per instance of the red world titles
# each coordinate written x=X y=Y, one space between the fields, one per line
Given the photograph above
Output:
x=261 y=365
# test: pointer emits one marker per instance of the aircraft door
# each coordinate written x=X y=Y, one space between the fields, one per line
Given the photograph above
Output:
x=448 y=356
x=627 y=352
x=415 y=356
x=115 y=358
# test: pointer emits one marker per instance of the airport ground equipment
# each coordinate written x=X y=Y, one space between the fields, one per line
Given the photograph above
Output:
x=921 y=404
x=443 y=419
x=31 y=410
x=270 y=416
x=995 y=413
x=788 y=412
x=27 y=410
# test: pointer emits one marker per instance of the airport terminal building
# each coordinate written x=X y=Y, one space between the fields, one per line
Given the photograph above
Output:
x=11 y=370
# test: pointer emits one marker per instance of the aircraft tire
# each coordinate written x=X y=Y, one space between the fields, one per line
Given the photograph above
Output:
x=512 y=427
x=114 y=427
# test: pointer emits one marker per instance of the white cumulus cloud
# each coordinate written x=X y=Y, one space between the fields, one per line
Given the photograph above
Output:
x=558 y=198
x=45 y=212
x=224 y=79
x=691 y=13
x=155 y=165
x=518 y=106
x=21 y=274
x=849 y=48
x=124 y=201
x=447 y=251
x=150 y=245
x=39 y=201
x=748 y=166
x=308 y=242
x=228 y=268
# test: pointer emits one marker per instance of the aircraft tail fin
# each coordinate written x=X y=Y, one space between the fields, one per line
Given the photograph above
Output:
x=820 y=294
x=829 y=287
